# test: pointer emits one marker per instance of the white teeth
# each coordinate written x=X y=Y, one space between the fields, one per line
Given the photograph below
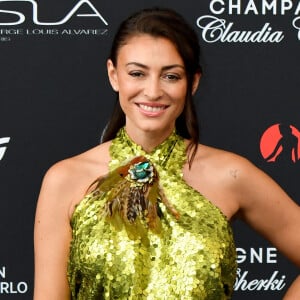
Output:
x=151 y=108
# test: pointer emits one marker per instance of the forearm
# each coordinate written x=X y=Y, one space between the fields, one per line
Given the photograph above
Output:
x=293 y=292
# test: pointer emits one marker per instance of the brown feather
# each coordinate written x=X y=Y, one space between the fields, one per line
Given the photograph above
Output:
x=133 y=203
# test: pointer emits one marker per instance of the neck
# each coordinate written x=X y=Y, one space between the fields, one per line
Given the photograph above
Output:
x=148 y=140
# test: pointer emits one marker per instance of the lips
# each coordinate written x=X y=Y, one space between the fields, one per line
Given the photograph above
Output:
x=152 y=110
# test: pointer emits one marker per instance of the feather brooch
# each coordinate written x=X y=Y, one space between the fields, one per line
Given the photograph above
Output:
x=132 y=198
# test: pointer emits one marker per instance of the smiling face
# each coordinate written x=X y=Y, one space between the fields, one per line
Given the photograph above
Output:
x=151 y=80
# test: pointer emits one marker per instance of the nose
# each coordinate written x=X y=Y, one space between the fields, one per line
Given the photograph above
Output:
x=152 y=89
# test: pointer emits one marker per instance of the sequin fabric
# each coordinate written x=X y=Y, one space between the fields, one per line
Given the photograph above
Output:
x=192 y=258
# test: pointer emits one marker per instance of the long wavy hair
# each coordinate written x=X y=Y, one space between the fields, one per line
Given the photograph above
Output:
x=165 y=23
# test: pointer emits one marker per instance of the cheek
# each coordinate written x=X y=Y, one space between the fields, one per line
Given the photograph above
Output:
x=180 y=98
x=127 y=88
x=127 y=94
x=180 y=107
x=179 y=94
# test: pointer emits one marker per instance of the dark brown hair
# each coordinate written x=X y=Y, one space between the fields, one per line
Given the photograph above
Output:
x=166 y=23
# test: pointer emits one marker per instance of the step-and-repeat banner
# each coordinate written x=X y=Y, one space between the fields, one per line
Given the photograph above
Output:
x=55 y=100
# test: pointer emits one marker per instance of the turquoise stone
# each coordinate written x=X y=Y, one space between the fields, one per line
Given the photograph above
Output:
x=140 y=170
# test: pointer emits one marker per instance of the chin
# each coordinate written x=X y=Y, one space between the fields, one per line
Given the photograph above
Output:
x=148 y=125
x=155 y=128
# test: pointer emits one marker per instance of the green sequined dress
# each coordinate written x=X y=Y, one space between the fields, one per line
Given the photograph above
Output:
x=192 y=258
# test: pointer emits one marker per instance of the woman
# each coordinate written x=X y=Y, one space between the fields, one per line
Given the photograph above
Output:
x=155 y=224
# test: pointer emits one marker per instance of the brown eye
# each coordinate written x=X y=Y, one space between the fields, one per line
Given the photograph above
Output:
x=136 y=74
x=171 y=77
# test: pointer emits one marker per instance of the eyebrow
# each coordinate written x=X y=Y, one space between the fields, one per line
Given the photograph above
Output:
x=163 y=68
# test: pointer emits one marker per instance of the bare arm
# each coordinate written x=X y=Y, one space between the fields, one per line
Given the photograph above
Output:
x=52 y=236
x=270 y=211
x=293 y=292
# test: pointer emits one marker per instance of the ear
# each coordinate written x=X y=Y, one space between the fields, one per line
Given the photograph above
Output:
x=112 y=75
x=196 y=81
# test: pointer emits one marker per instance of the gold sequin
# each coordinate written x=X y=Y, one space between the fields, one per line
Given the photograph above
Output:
x=192 y=258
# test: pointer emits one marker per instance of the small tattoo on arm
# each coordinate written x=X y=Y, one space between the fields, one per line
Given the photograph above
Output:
x=233 y=173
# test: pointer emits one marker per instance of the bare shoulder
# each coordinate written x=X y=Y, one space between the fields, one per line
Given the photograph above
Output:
x=87 y=165
x=238 y=187
x=66 y=182
x=222 y=177
x=233 y=170
x=222 y=165
x=64 y=185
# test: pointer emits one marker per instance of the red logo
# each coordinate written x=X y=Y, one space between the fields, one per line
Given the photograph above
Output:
x=280 y=143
